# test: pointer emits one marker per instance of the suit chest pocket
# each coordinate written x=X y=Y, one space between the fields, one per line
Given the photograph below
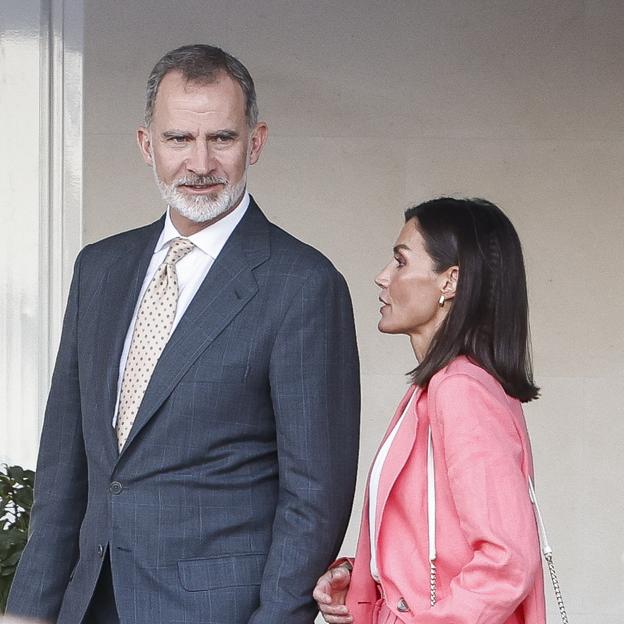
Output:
x=203 y=372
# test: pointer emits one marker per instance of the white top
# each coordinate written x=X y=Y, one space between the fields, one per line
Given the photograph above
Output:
x=373 y=487
x=191 y=270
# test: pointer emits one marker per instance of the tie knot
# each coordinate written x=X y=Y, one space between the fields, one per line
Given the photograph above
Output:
x=178 y=248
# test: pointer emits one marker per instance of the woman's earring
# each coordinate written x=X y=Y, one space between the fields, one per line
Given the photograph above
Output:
x=441 y=301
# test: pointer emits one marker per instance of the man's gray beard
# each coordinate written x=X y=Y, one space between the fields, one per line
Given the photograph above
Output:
x=200 y=209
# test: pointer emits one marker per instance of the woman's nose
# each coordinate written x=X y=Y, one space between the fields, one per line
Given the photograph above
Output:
x=382 y=278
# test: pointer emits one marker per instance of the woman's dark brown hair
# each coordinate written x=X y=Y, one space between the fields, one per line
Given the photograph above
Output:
x=488 y=320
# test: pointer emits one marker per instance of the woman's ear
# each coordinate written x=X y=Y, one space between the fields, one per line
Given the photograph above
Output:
x=448 y=282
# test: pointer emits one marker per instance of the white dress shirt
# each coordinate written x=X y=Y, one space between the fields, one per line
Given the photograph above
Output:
x=191 y=270
x=373 y=487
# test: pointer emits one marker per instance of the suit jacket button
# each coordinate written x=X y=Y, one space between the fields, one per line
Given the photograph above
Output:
x=402 y=606
x=115 y=487
x=100 y=550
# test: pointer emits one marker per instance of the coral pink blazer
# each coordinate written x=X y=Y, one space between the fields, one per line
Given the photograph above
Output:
x=489 y=567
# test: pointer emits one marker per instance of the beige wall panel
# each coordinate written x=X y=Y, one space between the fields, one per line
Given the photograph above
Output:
x=119 y=192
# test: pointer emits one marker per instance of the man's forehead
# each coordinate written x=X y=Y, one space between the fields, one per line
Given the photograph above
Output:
x=176 y=80
x=220 y=94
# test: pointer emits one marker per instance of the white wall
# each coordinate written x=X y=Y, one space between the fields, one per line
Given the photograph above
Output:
x=374 y=105
x=40 y=187
x=20 y=298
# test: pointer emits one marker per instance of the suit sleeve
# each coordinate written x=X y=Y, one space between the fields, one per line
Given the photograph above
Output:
x=314 y=377
x=60 y=486
x=484 y=458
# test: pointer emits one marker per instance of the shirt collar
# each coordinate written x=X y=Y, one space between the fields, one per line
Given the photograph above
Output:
x=212 y=238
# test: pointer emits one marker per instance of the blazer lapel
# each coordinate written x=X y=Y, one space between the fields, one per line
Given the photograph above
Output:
x=402 y=446
x=226 y=290
x=120 y=290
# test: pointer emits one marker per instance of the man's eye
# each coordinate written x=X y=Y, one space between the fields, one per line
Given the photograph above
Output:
x=176 y=139
x=399 y=261
x=223 y=138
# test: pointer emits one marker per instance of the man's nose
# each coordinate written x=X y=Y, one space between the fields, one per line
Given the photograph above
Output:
x=201 y=161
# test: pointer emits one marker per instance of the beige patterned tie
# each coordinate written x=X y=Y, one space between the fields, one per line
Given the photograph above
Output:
x=151 y=332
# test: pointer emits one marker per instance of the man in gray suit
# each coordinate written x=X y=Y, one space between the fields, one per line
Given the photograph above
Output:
x=199 y=450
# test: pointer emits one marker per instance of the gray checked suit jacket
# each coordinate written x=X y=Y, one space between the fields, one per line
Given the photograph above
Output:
x=234 y=489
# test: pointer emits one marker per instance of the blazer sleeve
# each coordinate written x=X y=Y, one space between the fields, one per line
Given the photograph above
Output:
x=483 y=454
x=60 y=486
x=314 y=377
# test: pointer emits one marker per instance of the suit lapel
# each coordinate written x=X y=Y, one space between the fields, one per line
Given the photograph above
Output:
x=120 y=290
x=226 y=290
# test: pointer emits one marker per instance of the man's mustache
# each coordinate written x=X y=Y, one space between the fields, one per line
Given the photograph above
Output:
x=200 y=181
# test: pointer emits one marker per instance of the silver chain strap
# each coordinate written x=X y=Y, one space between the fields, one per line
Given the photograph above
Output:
x=547 y=552
x=555 y=582
x=432 y=583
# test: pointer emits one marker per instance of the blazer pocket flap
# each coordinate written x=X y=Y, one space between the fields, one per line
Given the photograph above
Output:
x=220 y=572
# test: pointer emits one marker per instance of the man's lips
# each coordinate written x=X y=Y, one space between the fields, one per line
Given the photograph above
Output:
x=200 y=188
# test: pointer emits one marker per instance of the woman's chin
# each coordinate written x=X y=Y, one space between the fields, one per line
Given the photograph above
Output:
x=386 y=328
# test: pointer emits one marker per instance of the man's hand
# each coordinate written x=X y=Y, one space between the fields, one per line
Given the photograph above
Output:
x=330 y=594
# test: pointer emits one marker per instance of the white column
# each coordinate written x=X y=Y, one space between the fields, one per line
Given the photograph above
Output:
x=40 y=204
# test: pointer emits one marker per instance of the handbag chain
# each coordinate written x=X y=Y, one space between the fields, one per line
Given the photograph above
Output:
x=547 y=552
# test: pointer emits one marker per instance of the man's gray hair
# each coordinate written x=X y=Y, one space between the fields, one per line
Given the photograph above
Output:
x=201 y=63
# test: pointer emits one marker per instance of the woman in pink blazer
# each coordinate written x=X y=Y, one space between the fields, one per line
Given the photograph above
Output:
x=456 y=286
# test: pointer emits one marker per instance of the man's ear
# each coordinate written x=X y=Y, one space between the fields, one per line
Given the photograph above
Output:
x=144 y=139
x=258 y=138
x=448 y=282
